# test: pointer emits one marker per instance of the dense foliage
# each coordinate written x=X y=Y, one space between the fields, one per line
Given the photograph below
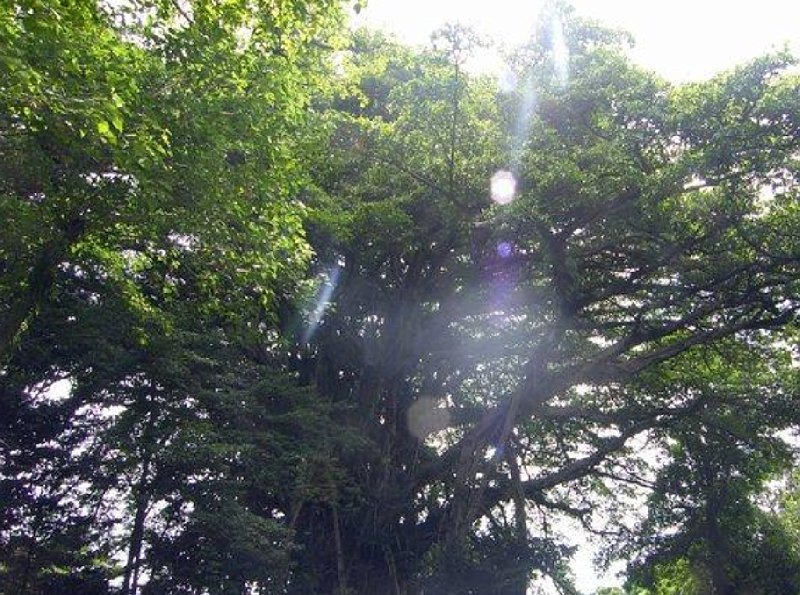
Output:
x=263 y=330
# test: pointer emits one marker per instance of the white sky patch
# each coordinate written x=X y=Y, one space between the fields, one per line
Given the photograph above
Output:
x=681 y=40
x=50 y=393
x=589 y=582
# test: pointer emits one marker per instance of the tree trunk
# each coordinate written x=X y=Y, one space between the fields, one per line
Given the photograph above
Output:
x=341 y=570
x=520 y=586
x=39 y=281
x=130 y=581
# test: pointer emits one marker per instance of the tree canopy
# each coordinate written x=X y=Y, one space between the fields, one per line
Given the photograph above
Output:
x=264 y=330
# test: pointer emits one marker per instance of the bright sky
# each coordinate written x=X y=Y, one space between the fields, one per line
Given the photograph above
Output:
x=680 y=39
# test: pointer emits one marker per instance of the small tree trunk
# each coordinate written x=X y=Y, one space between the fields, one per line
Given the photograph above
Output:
x=520 y=521
x=26 y=573
x=337 y=541
x=131 y=578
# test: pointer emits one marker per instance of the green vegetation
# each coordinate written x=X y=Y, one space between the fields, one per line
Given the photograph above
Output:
x=263 y=330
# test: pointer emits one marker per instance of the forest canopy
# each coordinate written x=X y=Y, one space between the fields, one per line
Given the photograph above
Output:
x=290 y=308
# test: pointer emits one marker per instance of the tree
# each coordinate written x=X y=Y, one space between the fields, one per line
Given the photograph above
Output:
x=149 y=180
x=708 y=529
x=460 y=374
x=502 y=358
x=704 y=532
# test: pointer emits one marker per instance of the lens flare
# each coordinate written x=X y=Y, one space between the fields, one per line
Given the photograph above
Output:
x=560 y=51
x=507 y=80
x=322 y=301
x=426 y=417
x=504 y=249
x=527 y=107
x=503 y=187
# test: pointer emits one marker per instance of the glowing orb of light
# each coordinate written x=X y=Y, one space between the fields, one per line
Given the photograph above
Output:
x=504 y=249
x=426 y=417
x=503 y=187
